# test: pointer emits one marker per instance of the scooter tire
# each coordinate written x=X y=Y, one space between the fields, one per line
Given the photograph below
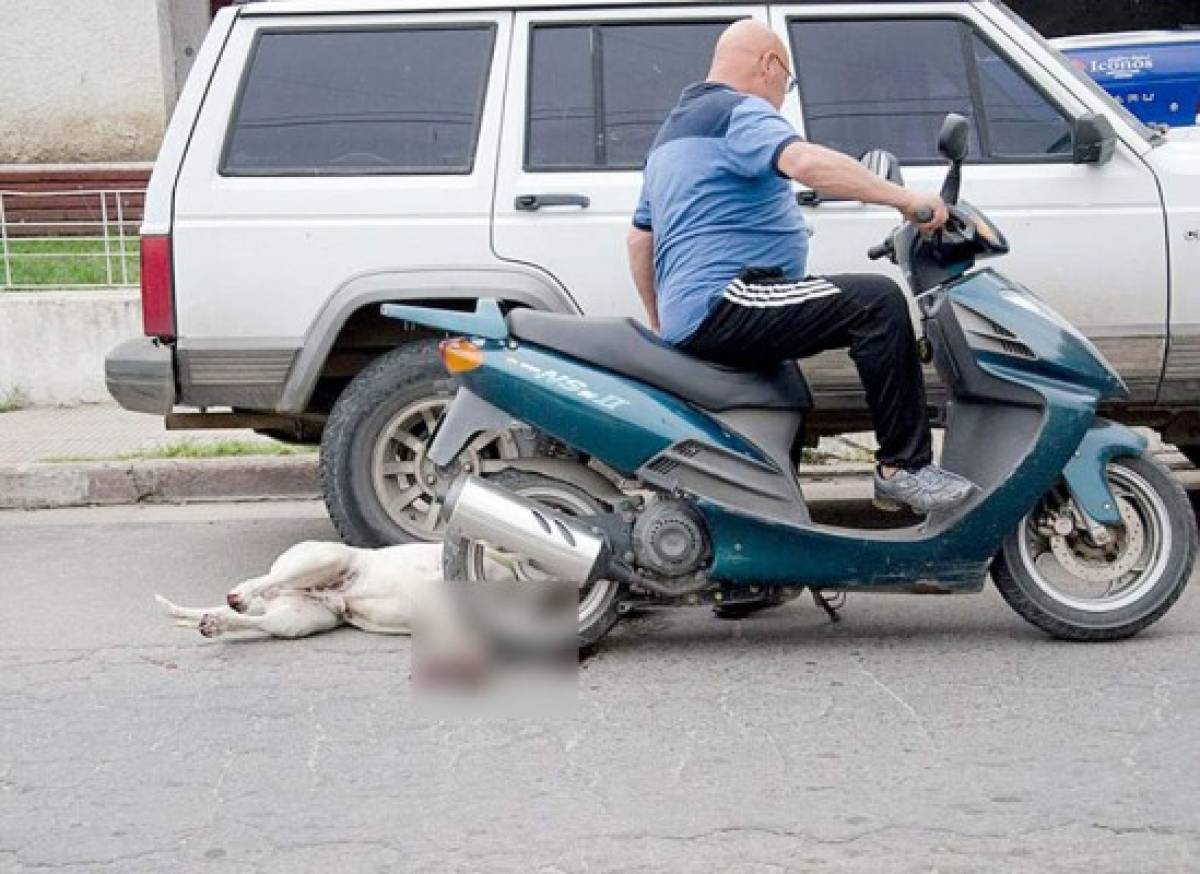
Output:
x=457 y=558
x=1025 y=589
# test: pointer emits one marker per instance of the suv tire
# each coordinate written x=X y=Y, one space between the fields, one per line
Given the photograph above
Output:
x=374 y=474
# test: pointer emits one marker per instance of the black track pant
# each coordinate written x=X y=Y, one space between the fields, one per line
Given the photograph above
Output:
x=763 y=319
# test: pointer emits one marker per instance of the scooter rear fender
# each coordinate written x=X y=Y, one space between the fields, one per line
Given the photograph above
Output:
x=486 y=322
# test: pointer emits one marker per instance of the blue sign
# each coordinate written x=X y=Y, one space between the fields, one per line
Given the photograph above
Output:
x=1156 y=81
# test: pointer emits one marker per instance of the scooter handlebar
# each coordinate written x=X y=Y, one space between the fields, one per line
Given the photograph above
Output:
x=883 y=250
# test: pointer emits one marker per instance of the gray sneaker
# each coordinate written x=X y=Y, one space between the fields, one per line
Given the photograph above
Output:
x=925 y=490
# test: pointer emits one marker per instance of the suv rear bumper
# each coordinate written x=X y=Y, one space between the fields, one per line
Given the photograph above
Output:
x=140 y=375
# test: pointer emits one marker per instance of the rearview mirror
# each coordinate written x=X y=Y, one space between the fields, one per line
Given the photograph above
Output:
x=883 y=163
x=1094 y=139
x=954 y=138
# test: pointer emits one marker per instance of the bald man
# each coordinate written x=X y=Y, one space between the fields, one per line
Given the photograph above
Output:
x=718 y=251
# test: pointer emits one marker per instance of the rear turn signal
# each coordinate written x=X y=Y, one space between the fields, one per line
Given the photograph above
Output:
x=460 y=355
x=158 y=304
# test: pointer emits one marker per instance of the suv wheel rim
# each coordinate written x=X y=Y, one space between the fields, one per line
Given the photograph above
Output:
x=405 y=479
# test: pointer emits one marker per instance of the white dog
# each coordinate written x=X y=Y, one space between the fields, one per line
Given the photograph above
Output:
x=316 y=586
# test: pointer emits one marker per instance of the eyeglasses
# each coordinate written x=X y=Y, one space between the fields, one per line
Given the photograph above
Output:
x=792 y=82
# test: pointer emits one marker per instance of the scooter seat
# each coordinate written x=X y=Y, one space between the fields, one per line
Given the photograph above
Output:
x=626 y=347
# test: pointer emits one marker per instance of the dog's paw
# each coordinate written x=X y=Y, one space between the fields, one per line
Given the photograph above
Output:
x=236 y=602
x=209 y=625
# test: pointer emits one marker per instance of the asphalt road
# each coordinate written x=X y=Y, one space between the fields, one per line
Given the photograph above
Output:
x=919 y=734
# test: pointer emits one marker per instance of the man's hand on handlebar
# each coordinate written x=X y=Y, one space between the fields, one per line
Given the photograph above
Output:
x=920 y=206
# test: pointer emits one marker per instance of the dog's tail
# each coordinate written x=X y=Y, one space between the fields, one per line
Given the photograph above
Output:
x=186 y=616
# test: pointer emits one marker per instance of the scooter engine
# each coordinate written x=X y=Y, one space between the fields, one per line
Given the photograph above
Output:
x=669 y=538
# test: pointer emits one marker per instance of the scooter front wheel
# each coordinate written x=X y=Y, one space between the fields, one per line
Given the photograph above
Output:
x=1075 y=586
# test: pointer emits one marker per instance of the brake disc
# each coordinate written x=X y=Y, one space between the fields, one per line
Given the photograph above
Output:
x=1089 y=563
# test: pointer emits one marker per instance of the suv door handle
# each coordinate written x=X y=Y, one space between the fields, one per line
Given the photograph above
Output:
x=532 y=202
x=808 y=197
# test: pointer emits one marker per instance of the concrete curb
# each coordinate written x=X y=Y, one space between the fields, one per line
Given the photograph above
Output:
x=171 y=481
x=106 y=483
x=251 y=478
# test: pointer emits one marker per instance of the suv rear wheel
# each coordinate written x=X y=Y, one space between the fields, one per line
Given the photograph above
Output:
x=378 y=483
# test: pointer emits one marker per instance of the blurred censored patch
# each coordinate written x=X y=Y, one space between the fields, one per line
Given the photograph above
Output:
x=506 y=647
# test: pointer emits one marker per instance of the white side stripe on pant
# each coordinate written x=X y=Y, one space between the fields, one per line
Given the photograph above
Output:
x=778 y=294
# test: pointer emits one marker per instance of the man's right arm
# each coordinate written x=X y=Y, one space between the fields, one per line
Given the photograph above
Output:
x=836 y=175
x=641 y=265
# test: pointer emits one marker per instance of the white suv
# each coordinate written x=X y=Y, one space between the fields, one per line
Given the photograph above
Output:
x=328 y=156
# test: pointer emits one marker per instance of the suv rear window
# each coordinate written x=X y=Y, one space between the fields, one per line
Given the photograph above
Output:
x=888 y=83
x=360 y=102
x=599 y=92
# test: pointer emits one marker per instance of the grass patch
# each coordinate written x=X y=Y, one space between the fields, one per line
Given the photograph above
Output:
x=850 y=455
x=12 y=400
x=54 y=263
x=195 y=449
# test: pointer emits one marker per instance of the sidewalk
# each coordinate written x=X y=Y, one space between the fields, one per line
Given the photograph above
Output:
x=94 y=431
x=79 y=456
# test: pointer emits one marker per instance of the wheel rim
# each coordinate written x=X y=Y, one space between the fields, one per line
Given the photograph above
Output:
x=406 y=481
x=592 y=596
x=1138 y=564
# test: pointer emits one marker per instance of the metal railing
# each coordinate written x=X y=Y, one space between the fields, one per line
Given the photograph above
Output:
x=69 y=239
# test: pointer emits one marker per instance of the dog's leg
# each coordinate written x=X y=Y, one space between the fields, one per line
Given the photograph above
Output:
x=308 y=565
x=188 y=617
x=288 y=617
x=177 y=612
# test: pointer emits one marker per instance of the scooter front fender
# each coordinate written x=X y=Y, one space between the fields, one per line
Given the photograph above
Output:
x=1086 y=474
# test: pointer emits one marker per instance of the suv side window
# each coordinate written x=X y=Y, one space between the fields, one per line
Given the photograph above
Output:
x=599 y=92
x=1020 y=121
x=360 y=102
x=888 y=83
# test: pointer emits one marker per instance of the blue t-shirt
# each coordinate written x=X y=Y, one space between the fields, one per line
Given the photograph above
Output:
x=716 y=203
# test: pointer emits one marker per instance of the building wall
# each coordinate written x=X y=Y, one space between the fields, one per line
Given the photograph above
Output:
x=189 y=24
x=92 y=80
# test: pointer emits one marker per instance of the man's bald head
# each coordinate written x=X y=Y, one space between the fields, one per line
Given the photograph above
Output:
x=751 y=58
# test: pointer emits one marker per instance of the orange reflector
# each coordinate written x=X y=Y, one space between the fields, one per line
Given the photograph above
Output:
x=460 y=355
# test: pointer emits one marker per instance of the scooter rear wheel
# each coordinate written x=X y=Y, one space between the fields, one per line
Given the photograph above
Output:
x=1075 y=589
x=465 y=561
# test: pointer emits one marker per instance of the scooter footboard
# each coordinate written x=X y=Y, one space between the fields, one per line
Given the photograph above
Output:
x=1085 y=473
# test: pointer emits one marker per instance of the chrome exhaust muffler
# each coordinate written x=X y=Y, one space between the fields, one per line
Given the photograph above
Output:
x=561 y=546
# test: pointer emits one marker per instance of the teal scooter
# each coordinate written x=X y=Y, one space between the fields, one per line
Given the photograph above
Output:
x=668 y=480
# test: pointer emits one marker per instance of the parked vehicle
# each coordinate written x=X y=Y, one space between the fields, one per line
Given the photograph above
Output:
x=1087 y=536
x=1155 y=74
x=328 y=156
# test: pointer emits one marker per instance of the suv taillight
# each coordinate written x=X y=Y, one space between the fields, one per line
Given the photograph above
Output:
x=158 y=305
